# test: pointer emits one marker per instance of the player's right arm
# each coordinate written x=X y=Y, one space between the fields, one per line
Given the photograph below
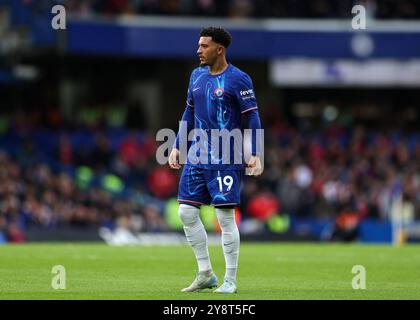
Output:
x=187 y=120
x=174 y=159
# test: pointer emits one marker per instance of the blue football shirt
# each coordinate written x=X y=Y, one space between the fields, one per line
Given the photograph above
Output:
x=219 y=102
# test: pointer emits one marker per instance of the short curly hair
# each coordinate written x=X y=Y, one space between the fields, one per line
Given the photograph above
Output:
x=219 y=35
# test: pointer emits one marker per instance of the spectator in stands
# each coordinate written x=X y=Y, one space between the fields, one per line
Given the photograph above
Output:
x=346 y=224
x=241 y=9
x=101 y=156
x=65 y=150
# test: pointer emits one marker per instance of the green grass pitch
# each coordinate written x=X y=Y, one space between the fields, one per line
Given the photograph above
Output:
x=266 y=271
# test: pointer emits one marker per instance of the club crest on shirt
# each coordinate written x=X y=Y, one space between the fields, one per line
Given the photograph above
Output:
x=219 y=92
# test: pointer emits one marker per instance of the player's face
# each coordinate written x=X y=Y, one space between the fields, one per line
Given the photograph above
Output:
x=208 y=51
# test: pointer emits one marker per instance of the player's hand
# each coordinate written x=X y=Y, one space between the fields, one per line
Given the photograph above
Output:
x=174 y=159
x=254 y=167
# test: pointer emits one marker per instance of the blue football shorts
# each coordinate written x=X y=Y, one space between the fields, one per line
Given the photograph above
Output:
x=203 y=187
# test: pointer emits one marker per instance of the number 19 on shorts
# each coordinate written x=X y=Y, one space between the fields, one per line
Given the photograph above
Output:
x=227 y=181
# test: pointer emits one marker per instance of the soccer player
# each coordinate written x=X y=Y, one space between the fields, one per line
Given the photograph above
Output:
x=220 y=96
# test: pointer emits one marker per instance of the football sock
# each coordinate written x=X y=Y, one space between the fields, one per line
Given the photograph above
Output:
x=230 y=240
x=196 y=235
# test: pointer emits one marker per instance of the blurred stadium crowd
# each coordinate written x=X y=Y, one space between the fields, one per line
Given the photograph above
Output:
x=381 y=9
x=92 y=172
x=98 y=168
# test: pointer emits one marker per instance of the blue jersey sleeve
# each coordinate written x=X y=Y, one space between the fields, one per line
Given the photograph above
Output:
x=245 y=94
x=254 y=123
x=190 y=98
x=188 y=115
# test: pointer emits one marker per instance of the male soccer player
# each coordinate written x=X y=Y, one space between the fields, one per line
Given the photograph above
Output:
x=219 y=96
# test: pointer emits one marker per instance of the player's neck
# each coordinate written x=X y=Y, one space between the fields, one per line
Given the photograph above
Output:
x=219 y=66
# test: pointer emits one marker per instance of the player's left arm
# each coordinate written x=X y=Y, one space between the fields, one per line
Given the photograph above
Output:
x=248 y=106
x=252 y=119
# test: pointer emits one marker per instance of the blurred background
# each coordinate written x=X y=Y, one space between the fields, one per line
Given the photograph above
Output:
x=80 y=108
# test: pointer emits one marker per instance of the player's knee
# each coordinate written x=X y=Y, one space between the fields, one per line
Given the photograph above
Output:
x=188 y=214
x=226 y=218
x=227 y=223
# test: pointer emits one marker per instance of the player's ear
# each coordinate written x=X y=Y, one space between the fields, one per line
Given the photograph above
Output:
x=220 y=49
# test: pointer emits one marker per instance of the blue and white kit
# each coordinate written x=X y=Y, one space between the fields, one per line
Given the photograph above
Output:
x=220 y=102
